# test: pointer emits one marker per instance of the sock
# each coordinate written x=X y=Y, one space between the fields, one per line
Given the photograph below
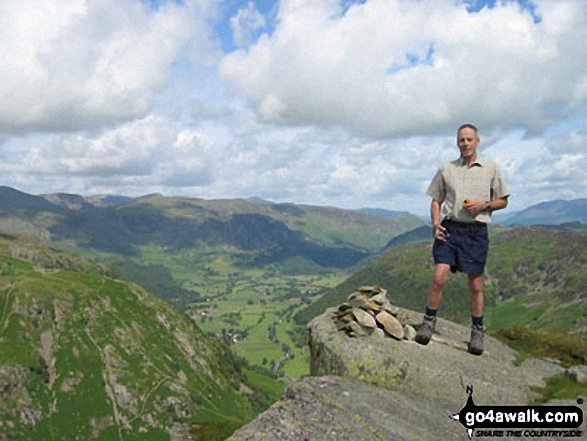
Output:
x=477 y=321
x=431 y=312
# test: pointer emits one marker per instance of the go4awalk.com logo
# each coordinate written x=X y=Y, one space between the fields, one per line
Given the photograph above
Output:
x=522 y=421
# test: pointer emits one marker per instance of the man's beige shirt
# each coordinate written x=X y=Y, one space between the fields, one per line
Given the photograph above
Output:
x=457 y=181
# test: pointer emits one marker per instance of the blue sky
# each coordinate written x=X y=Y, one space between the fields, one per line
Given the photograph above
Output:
x=326 y=102
x=230 y=8
x=524 y=5
x=268 y=8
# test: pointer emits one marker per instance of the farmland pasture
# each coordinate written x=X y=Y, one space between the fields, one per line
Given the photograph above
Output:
x=238 y=302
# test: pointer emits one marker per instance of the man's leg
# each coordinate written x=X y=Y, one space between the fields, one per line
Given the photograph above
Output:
x=476 y=290
x=441 y=272
x=477 y=330
x=426 y=330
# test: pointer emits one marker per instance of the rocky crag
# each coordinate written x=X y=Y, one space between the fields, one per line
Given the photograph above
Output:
x=370 y=380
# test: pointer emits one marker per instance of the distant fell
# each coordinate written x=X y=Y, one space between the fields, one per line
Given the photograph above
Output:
x=259 y=201
x=109 y=200
x=379 y=212
x=268 y=232
x=13 y=199
x=78 y=202
x=69 y=201
x=551 y=213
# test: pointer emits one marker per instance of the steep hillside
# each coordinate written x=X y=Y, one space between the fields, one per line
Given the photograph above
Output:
x=535 y=276
x=421 y=233
x=85 y=356
x=125 y=229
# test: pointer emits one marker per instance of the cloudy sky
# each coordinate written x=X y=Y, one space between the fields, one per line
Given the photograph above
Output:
x=351 y=103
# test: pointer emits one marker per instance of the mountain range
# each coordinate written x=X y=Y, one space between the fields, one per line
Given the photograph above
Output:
x=175 y=247
x=326 y=236
x=547 y=213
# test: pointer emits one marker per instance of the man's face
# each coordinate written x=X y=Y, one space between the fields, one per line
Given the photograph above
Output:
x=468 y=142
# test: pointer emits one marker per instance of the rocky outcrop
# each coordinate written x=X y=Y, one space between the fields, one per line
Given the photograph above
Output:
x=442 y=369
x=365 y=385
x=337 y=408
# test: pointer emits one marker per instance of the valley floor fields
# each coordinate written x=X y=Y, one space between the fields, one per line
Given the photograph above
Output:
x=250 y=306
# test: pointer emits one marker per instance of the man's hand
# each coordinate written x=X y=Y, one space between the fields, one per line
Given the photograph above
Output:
x=475 y=207
x=440 y=233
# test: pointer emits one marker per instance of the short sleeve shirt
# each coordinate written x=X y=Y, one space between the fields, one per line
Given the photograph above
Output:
x=457 y=181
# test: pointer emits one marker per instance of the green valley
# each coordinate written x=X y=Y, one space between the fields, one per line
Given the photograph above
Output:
x=250 y=308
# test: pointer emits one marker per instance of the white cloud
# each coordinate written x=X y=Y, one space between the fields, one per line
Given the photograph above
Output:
x=392 y=68
x=71 y=64
x=353 y=108
x=245 y=24
x=295 y=164
x=539 y=169
x=570 y=141
x=148 y=154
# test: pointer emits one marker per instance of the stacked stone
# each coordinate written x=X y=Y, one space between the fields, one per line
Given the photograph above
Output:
x=367 y=312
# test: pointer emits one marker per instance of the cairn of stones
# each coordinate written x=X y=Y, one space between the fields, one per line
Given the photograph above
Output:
x=367 y=312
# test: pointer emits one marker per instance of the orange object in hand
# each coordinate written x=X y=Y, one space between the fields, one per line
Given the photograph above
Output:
x=467 y=202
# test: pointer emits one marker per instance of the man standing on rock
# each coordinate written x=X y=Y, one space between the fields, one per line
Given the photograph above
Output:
x=464 y=194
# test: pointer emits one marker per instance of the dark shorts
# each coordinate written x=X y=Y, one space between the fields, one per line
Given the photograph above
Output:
x=466 y=248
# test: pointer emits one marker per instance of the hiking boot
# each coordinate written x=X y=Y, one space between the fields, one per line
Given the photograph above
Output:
x=476 y=343
x=426 y=330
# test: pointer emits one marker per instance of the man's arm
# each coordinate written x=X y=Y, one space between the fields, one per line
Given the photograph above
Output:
x=498 y=204
x=435 y=216
x=476 y=207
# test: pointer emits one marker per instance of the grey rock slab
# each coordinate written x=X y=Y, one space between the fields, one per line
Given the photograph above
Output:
x=336 y=408
x=342 y=408
x=440 y=370
x=385 y=389
x=538 y=371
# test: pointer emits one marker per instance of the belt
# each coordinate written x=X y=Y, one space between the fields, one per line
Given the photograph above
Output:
x=464 y=224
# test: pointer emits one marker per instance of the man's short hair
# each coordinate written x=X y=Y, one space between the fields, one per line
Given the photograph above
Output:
x=468 y=126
